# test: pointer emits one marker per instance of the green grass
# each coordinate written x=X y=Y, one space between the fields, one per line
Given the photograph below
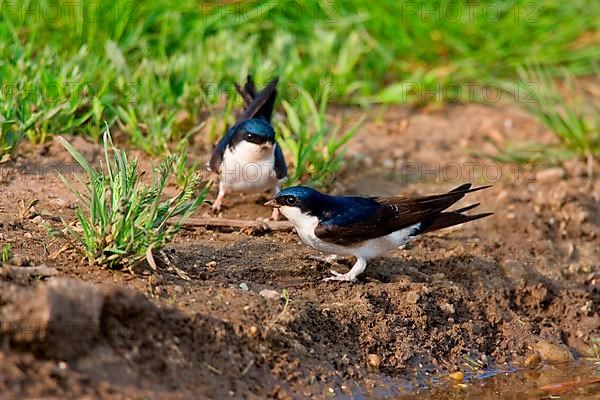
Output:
x=572 y=114
x=6 y=253
x=121 y=220
x=136 y=64
x=316 y=147
x=67 y=67
x=10 y=138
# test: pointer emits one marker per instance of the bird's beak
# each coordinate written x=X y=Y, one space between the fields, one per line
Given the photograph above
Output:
x=272 y=203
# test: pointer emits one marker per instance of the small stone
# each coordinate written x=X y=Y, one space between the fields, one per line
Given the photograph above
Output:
x=374 y=361
x=550 y=175
x=211 y=264
x=28 y=235
x=552 y=352
x=37 y=219
x=447 y=308
x=532 y=361
x=269 y=294
x=58 y=202
x=457 y=376
x=511 y=215
x=438 y=276
x=252 y=331
x=178 y=289
x=412 y=297
x=503 y=195
x=244 y=286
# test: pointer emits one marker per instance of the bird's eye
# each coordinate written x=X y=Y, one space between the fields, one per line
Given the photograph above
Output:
x=250 y=137
x=291 y=201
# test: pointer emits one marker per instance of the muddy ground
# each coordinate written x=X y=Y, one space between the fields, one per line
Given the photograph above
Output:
x=480 y=298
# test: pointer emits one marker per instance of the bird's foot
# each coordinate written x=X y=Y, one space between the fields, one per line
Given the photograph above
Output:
x=347 y=277
x=329 y=259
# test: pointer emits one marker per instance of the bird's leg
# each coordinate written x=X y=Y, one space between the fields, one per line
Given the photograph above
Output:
x=216 y=207
x=328 y=259
x=350 y=276
x=275 y=213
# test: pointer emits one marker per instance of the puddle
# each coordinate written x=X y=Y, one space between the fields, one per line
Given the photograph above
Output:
x=577 y=381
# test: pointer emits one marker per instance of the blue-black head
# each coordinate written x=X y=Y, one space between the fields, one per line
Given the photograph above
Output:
x=308 y=200
x=325 y=207
x=257 y=131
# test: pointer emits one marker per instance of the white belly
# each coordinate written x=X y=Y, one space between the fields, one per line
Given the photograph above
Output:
x=305 y=226
x=249 y=168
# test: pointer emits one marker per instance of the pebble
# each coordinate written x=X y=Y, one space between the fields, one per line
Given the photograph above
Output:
x=244 y=286
x=269 y=294
x=28 y=235
x=552 y=352
x=37 y=220
x=447 y=308
x=374 y=361
x=58 y=202
x=457 y=376
x=412 y=297
x=253 y=331
x=532 y=361
x=550 y=175
x=211 y=264
x=438 y=276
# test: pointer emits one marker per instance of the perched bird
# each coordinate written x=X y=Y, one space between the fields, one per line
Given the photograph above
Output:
x=248 y=158
x=367 y=227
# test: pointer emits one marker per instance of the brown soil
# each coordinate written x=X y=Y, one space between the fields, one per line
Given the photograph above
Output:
x=479 y=297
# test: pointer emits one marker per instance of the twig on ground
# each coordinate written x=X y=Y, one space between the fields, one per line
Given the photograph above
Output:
x=217 y=223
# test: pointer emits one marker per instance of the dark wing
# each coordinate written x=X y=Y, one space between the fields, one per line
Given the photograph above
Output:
x=280 y=166
x=389 y=215
x=262 y=103
x=214 y=165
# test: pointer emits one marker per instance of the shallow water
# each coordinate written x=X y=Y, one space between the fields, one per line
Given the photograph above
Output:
x=576 y=381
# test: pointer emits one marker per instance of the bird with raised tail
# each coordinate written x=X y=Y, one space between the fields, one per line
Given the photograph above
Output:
x=367 y=227
x=248 y=158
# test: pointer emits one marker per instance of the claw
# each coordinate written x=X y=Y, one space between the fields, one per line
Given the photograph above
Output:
x=340 y=277
x=350 y=276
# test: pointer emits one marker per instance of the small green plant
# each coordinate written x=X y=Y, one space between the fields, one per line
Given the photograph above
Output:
x=6 y=252
x=184 y=171
x=315 y=147
x=122 y=220
x=574 y=120
x=10 y=138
